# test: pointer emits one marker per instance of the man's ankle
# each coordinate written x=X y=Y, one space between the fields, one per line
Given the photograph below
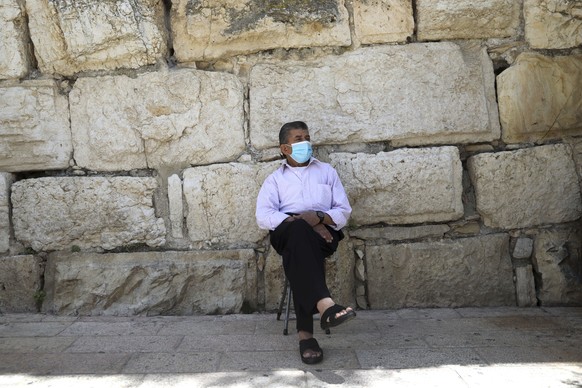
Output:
x=324 y=304
x=303 y=335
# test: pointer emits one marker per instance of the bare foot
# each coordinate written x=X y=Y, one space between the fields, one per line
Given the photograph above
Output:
x=326 y=303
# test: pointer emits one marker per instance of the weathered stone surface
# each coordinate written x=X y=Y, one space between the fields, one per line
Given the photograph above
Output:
x=525 y=289
x=19 y=281
x=553 y=24
x=473 y=271
x=361 y=299
x=383 y=21
x=340 y=269
x=339 y=276
x=467 y=19
x=528 y=187
x=35 y=132
x=169 y=118
x=403 y=186
x=149 y=283
x=175 y=200
x=70 y=37
x=95 y=212
x=463 y=227
x=360 y=270
x=410 y=94
x=558 y=264
x=14 y=50
x=398 y=233
x=576 y=144
x=540 y=98
x=204 y=30
x=221 y=202
x=274 y=280
x=5 y=183
x=523 y=248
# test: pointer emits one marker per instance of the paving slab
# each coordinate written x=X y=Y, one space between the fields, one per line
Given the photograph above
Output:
x=32 y=329
x=63 y=364
x=530 y=354
x=237 y=342
x=199 y=362
x=280 y=378
x=121 y=344
x=417 y=358
x=465 y=347
x=520 y=375
x=208 y=327
x=111 y=328
x=35 y=344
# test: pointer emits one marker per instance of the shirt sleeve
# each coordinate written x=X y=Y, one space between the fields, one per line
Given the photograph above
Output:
x=267 y=213
x=340 y=207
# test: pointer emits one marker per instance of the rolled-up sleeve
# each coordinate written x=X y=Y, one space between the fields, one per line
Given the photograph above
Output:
x=267 y=213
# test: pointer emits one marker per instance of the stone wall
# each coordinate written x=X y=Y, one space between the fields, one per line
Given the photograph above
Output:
x=135 y=135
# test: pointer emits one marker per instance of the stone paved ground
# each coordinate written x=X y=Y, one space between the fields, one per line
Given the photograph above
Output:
x=468 y=347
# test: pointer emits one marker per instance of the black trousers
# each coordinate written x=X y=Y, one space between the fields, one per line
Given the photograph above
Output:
x=304 y=251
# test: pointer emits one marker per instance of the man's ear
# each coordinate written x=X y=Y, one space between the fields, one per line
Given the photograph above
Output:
x=286 y=149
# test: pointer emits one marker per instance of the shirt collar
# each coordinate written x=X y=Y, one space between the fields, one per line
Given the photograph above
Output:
x=312 y=160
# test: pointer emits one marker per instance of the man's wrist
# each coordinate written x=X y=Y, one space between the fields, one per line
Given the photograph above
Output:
x=320 y=215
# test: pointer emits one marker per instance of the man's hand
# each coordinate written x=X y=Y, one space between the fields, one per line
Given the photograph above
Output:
x=311 y=218
x=323 y=232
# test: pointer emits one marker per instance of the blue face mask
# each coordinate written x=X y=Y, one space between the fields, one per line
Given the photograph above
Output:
x=301 y=151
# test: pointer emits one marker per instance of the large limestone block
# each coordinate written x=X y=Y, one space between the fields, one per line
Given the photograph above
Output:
x=383 y=21
x=558 y=265
x=5 y=183
x=467 y=19
x=81 y=35
x=274 y=280
x=169 y=118
x=525 y=290
x=540 y=98
x=19 y=283
x=403 y=186
x=221 y=202
x=35 y=132
x=204 y=30
x=14 y=49
x=576 y=144
x=340 y=274
x=149 y=283
x=410 y=94
x=473 y=271
x=525 y=188
x=87 y=212
x=553 y=24
x=176 y=205
x=400 y=233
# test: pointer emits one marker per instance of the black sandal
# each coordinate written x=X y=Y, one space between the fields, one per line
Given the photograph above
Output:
x=310 y=344
x=328 y=318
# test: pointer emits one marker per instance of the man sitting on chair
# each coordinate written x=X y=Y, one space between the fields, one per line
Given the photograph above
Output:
x=304 y=206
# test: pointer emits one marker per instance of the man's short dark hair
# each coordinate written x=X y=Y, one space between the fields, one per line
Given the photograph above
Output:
x=284 y=132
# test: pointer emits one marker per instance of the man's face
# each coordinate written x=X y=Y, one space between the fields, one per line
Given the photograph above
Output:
x=295 y=136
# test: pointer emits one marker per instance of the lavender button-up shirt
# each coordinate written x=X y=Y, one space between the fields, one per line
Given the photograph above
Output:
x=298 y=189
